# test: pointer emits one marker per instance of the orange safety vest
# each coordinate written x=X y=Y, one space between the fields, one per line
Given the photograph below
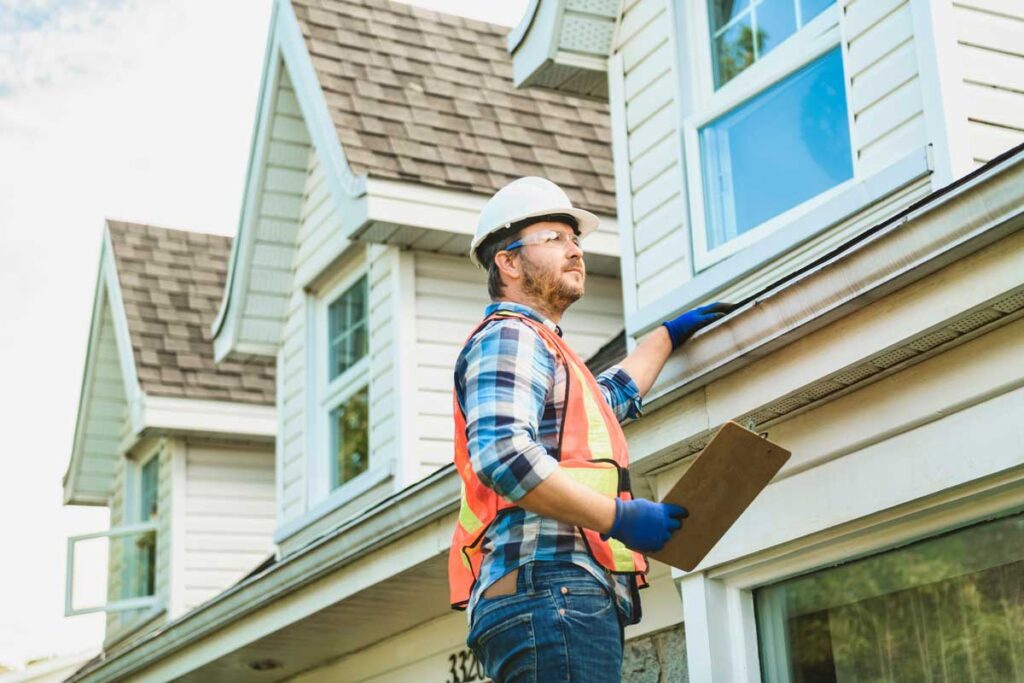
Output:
x=592 y=450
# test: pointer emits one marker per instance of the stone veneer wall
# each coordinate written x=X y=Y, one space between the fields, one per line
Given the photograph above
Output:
x=658 y=657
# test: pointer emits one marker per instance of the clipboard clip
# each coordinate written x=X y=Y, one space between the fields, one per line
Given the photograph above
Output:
x=751 y=424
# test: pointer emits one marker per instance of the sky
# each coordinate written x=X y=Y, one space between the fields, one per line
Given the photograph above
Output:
x=127 y=109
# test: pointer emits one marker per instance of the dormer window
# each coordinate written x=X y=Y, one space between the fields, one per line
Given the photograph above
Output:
x=768 y=137
x=346 y=399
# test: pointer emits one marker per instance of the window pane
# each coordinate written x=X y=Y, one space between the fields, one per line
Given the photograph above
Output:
x=782 y=147
x=776 y=21
x=349 y=434
x=812 y=8
x=946 y=609
x=149 y=489
x=724 y=11
x=346 y=324
x=734 y=50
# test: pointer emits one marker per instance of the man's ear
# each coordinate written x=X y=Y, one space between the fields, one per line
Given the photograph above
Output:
x=508 y=264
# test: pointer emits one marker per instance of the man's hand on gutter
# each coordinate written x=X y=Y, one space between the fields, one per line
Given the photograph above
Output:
x=649 y=357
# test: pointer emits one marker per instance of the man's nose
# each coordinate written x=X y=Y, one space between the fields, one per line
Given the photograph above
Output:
x=574 y=250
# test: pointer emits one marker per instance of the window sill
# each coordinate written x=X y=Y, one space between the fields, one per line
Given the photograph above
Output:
x=343 y=495
x=858 y=196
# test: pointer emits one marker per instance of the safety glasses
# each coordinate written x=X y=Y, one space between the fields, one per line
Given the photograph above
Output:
x=562 y=239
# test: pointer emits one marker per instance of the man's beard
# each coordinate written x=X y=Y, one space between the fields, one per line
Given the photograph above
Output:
x=550 y=288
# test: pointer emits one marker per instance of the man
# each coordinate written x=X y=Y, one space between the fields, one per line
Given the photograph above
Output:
x=547 y=553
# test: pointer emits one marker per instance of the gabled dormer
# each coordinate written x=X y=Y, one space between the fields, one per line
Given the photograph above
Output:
x=379 y=136
x=179 y=448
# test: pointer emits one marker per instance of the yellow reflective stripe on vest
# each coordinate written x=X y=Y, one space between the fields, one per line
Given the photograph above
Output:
x=622 y=557
x=600 y=477
x=467 y=518
x=598 y=439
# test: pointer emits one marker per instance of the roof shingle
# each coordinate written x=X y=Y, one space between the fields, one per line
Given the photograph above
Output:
x=425 y=97
x=171 y=284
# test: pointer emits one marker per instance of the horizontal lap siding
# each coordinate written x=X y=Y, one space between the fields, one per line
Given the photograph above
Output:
x=451 y=295
x=884 y=86
x=107 y=412
x=115 y=559
x=275 y=224
x=229 y=517
x=384 y=423
x=659 y=225
x=990 y=35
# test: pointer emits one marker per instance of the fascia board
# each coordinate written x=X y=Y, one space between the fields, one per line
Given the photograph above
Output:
x=168 y=414
x=454 y=211
x=937 y=232
x=399 y=516
x=108 y=291
x=74 y=462
x=257 y=143
x=516 y=35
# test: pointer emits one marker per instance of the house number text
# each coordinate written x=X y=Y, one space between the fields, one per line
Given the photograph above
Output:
x=464 y=668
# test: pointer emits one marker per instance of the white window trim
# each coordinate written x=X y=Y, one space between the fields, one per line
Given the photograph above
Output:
x=720 y=619
x=132 y=527
x=819 y=36
x=327 y=395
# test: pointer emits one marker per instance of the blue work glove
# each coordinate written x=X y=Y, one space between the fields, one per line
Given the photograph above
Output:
x=645 y=526
x=682 y=328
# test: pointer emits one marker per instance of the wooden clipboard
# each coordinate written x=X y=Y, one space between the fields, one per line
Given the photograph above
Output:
x=719 y=485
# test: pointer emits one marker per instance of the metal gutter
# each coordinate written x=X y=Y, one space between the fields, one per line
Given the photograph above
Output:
x=397 y=516
x=949 y=224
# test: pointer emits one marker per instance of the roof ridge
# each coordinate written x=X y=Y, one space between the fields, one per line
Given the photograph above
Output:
x=135 y=225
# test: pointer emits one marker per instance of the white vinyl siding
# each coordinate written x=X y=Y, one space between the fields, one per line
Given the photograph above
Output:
x=228 y=517
x=990 y=36
x=884 y=88
x=105 y=398
x=274 y=225
x=659 y=226
x=451 y=294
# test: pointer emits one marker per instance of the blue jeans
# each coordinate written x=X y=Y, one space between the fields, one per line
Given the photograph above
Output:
x=561 y=624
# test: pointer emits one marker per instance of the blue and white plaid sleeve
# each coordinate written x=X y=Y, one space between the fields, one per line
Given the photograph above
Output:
x=621 y=392
x=504 y=376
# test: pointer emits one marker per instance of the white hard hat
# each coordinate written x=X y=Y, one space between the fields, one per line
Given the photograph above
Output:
x=523 y=198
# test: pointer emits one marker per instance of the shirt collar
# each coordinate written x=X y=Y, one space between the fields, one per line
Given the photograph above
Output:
x=522 y=310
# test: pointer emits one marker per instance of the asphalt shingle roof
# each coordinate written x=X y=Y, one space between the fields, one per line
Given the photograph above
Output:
x=171 y=283
x=426 y=97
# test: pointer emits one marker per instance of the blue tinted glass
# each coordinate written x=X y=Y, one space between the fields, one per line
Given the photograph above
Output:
x=812 y=8
x=734 y=50
x=776 y=21
x=724 y=11
x=778 y=149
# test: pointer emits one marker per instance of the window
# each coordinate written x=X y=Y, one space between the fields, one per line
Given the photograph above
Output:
x=949 y=608
x=778 y=149
x=128 y=551
x=743 y=31
x=139 y=579
x=769 y=136
x=347 y=400
x=347 y=328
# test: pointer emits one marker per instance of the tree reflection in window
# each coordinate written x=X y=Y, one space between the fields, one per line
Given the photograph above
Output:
x=946 y=609
x=350 y=430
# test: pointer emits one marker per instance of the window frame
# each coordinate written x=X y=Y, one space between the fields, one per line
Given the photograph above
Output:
x=331 y=393
x=132 y=525
x=819 y=36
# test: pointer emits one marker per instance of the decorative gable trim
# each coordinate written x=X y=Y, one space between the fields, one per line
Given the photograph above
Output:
x=107 y=301
x=286 y=58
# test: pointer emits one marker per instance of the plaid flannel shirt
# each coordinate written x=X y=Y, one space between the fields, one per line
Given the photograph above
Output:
x=511 y=388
